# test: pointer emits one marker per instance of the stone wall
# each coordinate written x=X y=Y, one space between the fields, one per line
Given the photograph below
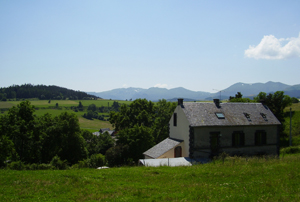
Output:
x=202 y=141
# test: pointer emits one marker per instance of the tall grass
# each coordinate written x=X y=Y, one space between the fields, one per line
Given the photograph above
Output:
x=237 y=179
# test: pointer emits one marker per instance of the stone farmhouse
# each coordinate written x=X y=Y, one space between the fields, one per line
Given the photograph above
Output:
x=206 y=129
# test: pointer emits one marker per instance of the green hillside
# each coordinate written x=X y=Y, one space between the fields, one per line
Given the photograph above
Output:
x=237 y=179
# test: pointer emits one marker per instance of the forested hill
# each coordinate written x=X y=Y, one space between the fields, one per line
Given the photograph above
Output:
x=42 y=92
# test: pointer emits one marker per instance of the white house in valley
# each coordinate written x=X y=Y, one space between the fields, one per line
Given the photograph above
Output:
x=206 y=129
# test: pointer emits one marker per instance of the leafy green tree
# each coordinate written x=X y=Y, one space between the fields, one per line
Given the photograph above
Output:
x=62 y=137
x=97 y=144
x=295 y=100
x=139 y=112
x=89 y=114
x=21 y=130
x=6 y=149
x=142 y=124
x=105 y=142
x=116 y=106
x=239 y=98
x=117 y=155
x=92 y=107
x=163 y=112
x=31 y=139
x=97 y=160
x=72 y=143
x=276 y=103
x=138 y=139
x=80 y=106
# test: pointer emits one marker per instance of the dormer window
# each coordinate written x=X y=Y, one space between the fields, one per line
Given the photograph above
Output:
x=247 y=116
x=220 y=115
x=264 y=116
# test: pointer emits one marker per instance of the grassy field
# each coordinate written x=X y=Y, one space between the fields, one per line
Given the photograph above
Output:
x=42 y=107
x=63 y=103
x=295 y=107
x=238 y=179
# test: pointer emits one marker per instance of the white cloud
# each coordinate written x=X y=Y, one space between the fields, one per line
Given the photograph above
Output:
x=161 y=85
x=272 y=48
x=125 y=86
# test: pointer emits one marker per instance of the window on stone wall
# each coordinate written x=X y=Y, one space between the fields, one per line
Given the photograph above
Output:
x=175 y=119
x=238 y=139
x=260 y=137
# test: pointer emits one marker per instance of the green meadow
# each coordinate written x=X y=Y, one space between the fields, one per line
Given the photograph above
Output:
x=43 y=107
x=235 y=179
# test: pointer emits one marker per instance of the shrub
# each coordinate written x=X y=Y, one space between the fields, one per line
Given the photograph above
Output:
x=16 y=165
x=86 y=163
x=58 y=163
x=97 y=160
x=290 y=150
x=44 y=166
x=33 y=166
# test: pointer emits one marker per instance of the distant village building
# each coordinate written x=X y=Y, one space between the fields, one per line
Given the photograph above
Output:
x=103 y=130
x=206 y=129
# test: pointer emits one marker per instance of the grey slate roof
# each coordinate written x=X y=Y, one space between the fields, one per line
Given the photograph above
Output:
x=102 y=130
x=203 y=114
x=162 y=147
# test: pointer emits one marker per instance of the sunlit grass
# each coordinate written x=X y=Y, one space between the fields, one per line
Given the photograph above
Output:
x=237 y=179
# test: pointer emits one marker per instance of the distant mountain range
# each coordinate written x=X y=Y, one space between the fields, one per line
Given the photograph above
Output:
x=154 y=94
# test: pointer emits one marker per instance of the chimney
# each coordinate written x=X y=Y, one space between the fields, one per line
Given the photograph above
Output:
x=217 y=102
x=180 y=101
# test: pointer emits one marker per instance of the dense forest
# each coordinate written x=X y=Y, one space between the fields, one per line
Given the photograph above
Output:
x=42 y=92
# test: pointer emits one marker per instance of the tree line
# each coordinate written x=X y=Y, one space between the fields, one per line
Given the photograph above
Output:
x=31 y=139
x=42 y=92
x=140 y=125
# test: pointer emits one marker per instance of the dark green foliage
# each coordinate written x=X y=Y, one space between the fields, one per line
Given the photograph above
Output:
x=139 y=139
x=45 y=166
x=276 y=102
x=32 y=139
x=117 y=156
x=141 y=125
x=290 y=150
x=142 y=112
x=97 y=160
x=72 y=144
x=86 y=163
x=295 y=100
x=239 y=98
x=7 y=149
x=163 y=113
x=80 y=106
x=58 y=163
x=116 y=106
x=97 y=144
x=43 y=92
x=16 y=165
x=22 y=132
x=92 y=107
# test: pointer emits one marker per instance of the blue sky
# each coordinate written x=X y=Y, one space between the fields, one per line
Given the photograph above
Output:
x=103 y=45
